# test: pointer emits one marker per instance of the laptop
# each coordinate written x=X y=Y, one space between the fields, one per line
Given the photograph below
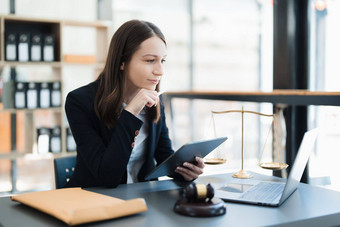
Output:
x=268 y=193
x=186 y=153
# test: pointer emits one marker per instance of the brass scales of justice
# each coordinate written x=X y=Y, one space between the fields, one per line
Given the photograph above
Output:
x=265 y=165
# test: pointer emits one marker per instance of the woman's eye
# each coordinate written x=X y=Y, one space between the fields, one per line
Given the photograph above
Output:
x=150 y=60
x=163 y=60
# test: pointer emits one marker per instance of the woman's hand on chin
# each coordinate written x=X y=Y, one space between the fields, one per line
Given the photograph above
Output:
x=143 y=98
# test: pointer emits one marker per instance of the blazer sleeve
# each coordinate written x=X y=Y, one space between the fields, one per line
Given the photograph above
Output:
x=107 y=163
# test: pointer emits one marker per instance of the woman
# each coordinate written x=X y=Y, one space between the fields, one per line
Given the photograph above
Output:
x=118 y=121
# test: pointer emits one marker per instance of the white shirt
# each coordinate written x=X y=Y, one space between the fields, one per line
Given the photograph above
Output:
x=137 y=157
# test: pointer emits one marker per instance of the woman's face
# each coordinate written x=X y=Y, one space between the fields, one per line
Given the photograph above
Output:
x=146 y=66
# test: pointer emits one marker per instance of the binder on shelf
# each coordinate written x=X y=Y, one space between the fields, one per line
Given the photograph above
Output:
x=11 y=47
x=32 y=95
x=1 y=87
x=56 y=94
x=36 y=48
x=8 y=94
x=44 y=97
x=23 y=47
x=55 y=142
x=70 y=142
x=43 y=140
x=20 y=95
x=48 y=48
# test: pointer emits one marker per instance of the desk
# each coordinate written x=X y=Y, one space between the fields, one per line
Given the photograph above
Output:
x=288 y=97
x=308 y=206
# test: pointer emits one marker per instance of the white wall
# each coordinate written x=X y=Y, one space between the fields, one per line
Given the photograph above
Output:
x=54 y=9
x=4 y=6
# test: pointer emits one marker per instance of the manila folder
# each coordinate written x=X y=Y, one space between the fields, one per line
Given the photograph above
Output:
x=76 y=206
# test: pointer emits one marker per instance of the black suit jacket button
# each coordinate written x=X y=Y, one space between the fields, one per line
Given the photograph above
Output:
x=136 y=132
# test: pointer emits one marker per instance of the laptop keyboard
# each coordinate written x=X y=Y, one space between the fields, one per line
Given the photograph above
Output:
x=264 y=191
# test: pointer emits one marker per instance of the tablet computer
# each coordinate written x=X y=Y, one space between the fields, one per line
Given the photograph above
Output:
x=186 y=153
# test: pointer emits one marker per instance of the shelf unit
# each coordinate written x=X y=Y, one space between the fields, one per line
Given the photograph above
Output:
x=23 y=123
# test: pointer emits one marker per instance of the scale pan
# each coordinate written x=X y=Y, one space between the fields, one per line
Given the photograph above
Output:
x=273 y=165
x=214 y=161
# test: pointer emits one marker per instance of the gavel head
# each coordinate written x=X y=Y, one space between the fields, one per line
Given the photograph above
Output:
x=199 y=192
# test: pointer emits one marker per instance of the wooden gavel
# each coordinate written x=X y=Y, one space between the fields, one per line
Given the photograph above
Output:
x=199 y=192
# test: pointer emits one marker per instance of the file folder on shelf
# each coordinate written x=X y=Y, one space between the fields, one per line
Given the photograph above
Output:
x=11 y=47
x=36 y=48
x=8 y=94
x=55 y=142
x=43 y=140
x=20 y=95
x=23 y=47
x=45 y=95
x=56 y=94
x=48 y=48
x=32 y=95
x=70 y=142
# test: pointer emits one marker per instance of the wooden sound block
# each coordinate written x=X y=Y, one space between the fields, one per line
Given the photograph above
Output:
x=215 y=207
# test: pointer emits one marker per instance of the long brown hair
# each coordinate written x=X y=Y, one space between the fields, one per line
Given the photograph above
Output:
x=124 y=43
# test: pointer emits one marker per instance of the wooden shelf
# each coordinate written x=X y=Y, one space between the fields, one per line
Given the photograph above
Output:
x=30 y=64
x=13 y=155
x=54 y=109
x=28 y=19
x=18 y=24
x=96 y=24
x=20 y=126
x=97 y=65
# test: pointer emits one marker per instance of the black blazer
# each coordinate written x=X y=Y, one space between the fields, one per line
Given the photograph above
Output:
x=102 y=153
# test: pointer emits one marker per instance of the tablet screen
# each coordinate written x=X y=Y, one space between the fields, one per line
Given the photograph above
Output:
x=186 y=153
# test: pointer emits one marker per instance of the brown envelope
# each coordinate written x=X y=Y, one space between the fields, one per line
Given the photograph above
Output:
x=76 y=206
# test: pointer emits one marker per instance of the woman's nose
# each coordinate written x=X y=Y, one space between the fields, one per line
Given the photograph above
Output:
x=158 y=69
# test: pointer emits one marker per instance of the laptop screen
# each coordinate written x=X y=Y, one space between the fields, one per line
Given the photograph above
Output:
x=300 y=162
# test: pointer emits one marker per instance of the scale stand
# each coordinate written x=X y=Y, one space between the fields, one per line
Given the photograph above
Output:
x=242 y=173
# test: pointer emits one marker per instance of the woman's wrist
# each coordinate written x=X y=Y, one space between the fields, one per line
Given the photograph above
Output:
x=131 y=110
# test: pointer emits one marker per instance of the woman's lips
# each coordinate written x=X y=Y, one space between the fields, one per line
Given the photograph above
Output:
x=154 y=81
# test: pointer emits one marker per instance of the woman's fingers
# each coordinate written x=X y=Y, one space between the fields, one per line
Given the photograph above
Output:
x=143 y=98
x=186 y=174
x=191 y=171
x=200 y=162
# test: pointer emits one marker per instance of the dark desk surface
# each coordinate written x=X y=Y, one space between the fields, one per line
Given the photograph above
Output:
x=308 y=206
